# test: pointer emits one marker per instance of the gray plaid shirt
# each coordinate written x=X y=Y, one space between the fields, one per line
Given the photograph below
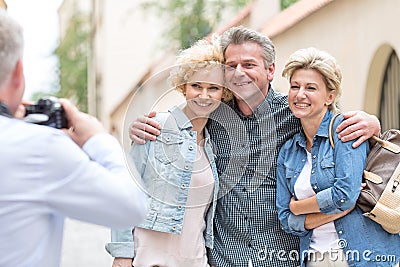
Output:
x=246 y=222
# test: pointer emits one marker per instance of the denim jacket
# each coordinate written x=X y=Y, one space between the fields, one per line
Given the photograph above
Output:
x=165 y=167
x=336 y=179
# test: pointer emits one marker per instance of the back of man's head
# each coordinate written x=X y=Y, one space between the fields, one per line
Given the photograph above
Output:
x=11 y=45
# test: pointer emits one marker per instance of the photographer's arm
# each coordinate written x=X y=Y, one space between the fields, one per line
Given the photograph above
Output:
x=82 y=126
x=91 y=183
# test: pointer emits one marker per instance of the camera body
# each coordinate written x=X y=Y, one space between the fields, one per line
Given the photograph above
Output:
x=48 y=111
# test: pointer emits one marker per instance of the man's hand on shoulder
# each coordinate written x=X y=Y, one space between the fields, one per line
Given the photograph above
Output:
x=358 y=124
x=144 y=128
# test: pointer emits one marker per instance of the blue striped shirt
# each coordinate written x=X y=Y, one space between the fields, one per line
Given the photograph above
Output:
x=246 y=222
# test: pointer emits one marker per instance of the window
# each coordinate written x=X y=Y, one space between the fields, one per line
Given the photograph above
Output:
x=390 y=97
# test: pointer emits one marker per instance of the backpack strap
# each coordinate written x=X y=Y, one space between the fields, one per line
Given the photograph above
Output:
x=386 y=144
x=331 y=130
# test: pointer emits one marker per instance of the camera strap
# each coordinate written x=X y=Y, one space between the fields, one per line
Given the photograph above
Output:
x=4 y=111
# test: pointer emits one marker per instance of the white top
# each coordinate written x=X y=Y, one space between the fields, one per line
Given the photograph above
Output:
x=324 y=238
x=45 y=177
x=154 y=248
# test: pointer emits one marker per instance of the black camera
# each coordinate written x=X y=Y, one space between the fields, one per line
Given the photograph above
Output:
x=48 y=111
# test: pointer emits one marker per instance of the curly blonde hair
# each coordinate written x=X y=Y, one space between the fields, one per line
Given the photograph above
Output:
x=202 y=55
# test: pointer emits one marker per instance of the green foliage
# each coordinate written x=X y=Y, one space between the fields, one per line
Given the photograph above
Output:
x=73 y=57
x=287 y=3
x=188 y=21
x=37 y=95
x=191 y=20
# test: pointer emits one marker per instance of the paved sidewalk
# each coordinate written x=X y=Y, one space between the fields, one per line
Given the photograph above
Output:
x=83 y=245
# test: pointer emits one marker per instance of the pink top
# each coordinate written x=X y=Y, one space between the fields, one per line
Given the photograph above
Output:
x=161 y=249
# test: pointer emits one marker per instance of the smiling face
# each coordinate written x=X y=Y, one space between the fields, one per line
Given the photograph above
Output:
x=204 y=92
x=309 y=96
x=246 y=75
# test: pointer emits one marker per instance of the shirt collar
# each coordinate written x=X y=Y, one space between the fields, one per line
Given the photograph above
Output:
x=324 y=126
x=261 y=109
x=4 y=111
x=183 y=121
x=322 y=130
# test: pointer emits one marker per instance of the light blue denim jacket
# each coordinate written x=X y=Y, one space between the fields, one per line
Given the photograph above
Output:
x=165 y=166
x=336 y=179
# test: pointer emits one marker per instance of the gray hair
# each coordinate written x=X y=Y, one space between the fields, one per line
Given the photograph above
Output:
x=11 y=44
x=240 y=35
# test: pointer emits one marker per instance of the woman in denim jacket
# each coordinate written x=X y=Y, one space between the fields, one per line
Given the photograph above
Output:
x=178 y=171
x=317 y=185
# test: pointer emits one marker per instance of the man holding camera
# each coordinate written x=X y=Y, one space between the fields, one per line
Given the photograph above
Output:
x=48 y=174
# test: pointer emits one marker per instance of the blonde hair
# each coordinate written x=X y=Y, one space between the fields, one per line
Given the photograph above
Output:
x=321 y=61
x=204 y=54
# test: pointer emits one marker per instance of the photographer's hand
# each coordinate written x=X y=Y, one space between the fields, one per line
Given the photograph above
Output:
x=82 y=126
x=20 y=112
